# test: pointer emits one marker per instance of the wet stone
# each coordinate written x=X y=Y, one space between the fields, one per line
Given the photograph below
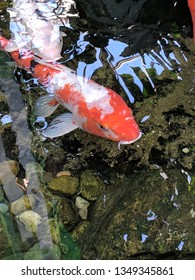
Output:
x=64 y=185
x=82 y=205
x=3 y=208
x=30 y=219
x=67 y=213
x=12 y=190
x=26 y=202
x=8 y=170
x=91 y=185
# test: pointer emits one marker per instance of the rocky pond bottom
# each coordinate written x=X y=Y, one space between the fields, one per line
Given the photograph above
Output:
x=147 y=216
x=79 y=196
x=90 y=200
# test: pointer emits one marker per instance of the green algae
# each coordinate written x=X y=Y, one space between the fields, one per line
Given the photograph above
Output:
x=35 y=253
x=91 y=186
x=69 y=247
x=65 y=185
x=145 y=204
x=10 y=244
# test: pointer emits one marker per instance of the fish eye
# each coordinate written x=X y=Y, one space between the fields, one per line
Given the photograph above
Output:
x=103 y=127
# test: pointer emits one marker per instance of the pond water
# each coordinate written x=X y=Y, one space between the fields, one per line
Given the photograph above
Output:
x=79 y=196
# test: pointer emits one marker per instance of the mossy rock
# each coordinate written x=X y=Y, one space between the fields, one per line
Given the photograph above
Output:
x=26 y=202
x=64 y=185
x=67 y=213
x=144 y=217
x=91 y=185
x=8 y=169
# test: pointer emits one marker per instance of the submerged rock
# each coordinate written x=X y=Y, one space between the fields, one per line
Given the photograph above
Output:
x=12 y=190
x=67 y=213
x=145 y=217
x=82 y=205
x=91 y=185
x=30 y=219
x=26 y=202
x=3 y=208
x=64 y=185
x=8 y=169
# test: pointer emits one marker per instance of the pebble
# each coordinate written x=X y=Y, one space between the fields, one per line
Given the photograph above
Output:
x=30 y=219
x=8 y=170
x=12 y=190
x=26 y=202
x=64 y=185
x=82 y=205
x=3 y=208
x=63 y=173
x=185 y=150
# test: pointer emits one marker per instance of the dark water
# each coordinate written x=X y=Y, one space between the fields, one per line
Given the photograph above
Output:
x=137 y=202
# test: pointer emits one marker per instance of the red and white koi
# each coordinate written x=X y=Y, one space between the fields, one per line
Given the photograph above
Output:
x=94 y=108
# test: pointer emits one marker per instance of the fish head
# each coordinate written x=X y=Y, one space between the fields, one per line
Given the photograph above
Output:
x=112 y=119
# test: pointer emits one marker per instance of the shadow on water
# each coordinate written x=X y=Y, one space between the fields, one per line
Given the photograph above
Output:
x=79 y=196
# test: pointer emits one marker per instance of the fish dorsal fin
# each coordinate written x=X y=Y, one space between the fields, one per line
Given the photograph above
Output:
x=45 y=105
x=61 y=125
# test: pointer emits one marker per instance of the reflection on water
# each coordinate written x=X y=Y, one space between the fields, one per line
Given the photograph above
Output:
x=158 y=60
x=6 y=119
x=180 y=246
x=35 y=25
x=143 y=237
x=139 y=77
x=126 y=65
x=151 y=215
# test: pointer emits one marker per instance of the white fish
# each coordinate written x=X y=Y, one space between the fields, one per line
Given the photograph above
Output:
x=34 y=25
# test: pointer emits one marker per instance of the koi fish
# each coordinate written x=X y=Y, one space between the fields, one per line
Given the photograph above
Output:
x=191 y=4
x=94 y=108
x=35 y=25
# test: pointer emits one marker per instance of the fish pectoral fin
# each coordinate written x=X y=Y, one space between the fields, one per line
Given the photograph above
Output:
x=61 y=125
x=45 y=105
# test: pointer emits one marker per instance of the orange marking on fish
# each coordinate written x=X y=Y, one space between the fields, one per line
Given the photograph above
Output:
x=53 y=102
